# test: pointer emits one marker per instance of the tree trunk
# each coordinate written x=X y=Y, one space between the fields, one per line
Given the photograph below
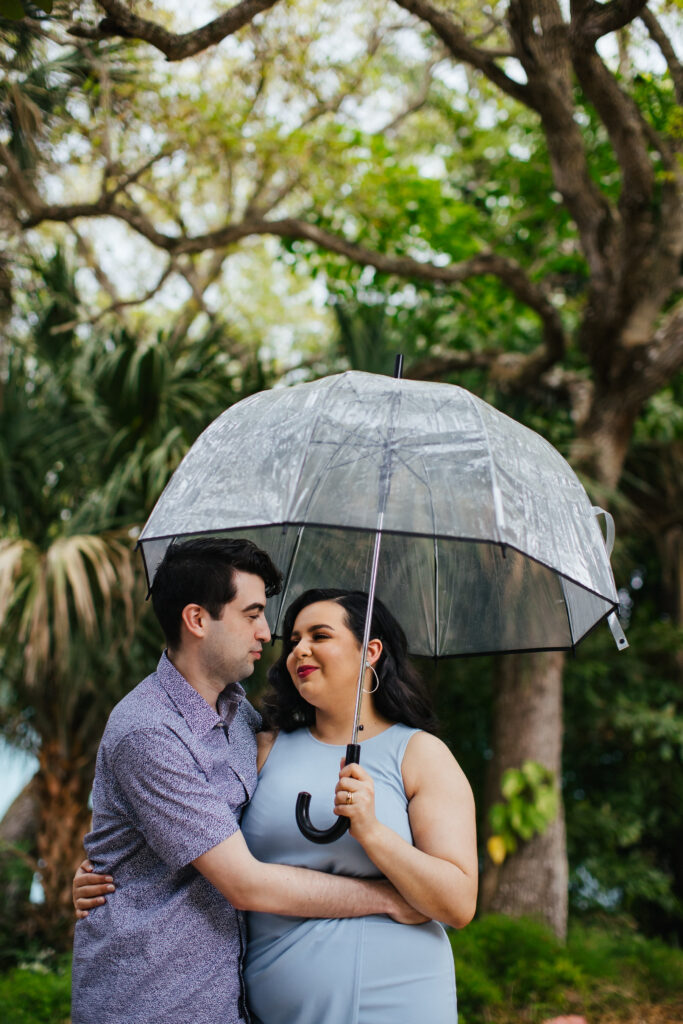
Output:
x=528 y=715
x=602 y=442
x=670 y=543
x=528 y=726
x=19 y=826
x=62 y=790
x=18 y=835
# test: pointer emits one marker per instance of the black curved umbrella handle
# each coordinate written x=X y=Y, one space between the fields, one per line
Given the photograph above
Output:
x=303 y=802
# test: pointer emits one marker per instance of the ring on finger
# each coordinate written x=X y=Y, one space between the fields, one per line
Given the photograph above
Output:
x=349 y=798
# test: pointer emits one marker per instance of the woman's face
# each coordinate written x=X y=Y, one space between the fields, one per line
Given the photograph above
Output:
x=325 y=656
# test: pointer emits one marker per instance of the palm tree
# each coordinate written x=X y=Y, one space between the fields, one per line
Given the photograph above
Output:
x=56 y=607
x=90 y=430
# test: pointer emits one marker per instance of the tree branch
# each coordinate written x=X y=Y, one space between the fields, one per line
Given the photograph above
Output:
x=436 y=367
x=416 y=103
x=546 y=58
x=509 y=371
x=593 y=20
x=133 y=176
x=463 y=49
x=623 y=121
x=507 y=271
x=116 y=306
x=85 y=250
x=660 y=360
x=22 y=186
x=659 y=36
x=121 y=21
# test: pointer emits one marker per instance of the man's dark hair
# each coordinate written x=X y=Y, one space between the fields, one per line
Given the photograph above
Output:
x=402 y=695
x=202 y=572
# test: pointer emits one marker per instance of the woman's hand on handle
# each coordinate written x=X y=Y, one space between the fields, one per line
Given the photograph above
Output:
x=354 y=798
x=89 y=890
x=438 y=874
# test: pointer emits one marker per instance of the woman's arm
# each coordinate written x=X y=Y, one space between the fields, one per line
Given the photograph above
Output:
x=264 y=745
x=439 y=874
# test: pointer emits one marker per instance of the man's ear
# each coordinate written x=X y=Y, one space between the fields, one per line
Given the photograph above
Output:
x=193 y=618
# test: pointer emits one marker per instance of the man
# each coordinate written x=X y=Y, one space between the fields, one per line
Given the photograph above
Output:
x=176 y=765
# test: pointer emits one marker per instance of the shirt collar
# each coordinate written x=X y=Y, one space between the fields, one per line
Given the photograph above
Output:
x=197 y=712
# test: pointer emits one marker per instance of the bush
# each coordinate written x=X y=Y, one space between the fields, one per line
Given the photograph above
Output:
x=15 y=886
x=508 y=972
x=511 y=971
x=626 y=967
x=506 y=965
x=36 y=994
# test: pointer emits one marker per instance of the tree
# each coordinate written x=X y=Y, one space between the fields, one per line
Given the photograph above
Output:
x=90 y=434
x=58 y=592
x=603 y=333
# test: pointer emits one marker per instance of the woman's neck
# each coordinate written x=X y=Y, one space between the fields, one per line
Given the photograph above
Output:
x=336 y=728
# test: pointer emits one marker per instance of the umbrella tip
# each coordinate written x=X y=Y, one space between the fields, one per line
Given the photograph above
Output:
x=617 y=631
x=398 y=366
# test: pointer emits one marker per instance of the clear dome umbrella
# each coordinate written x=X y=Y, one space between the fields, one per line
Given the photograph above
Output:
x=474 y=531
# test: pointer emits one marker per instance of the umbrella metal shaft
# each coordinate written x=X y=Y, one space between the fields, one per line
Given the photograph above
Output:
x=368 y=626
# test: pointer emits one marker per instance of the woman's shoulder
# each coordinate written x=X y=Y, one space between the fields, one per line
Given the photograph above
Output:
x=426 y=757
x=425 y=746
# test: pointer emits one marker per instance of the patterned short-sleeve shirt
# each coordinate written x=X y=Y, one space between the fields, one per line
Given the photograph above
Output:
x=171 y=780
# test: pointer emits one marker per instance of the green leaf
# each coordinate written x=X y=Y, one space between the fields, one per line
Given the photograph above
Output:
x=13 y=10
x=512 y=783
x=498 y=818
x=534 y=772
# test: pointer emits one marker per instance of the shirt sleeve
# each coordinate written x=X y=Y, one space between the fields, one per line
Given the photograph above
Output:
x=171 y=801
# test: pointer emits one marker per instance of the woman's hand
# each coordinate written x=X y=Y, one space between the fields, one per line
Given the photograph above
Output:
x=88 y=890
x=354 y=798
x=438 y=874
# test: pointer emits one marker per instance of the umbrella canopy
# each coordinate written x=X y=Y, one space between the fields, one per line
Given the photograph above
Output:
x=489 y=540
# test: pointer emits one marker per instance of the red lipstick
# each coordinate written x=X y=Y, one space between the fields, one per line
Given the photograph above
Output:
x=305 y=670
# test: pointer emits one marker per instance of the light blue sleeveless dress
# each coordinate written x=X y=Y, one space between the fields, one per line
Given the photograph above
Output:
x=366 y=970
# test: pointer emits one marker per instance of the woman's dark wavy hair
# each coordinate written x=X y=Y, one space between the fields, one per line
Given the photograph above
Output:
x=402 y=695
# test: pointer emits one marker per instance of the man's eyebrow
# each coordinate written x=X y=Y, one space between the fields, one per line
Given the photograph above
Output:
x=256 y=606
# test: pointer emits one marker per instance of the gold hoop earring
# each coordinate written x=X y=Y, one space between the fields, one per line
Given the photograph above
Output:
x=376 y=686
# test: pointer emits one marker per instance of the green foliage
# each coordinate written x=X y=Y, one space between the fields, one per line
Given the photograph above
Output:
x=501 y=962
x=91 y=428
x=507 y=971
x=530 y=804
x=16 y=876
x=516 y=970
x=623 y=959
x=13 y=10
x=34 y=994
x=623 y=782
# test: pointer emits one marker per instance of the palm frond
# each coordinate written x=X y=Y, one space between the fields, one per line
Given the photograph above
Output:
x=55 y=600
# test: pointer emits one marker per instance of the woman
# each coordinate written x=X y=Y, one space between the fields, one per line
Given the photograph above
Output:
x=411 y=817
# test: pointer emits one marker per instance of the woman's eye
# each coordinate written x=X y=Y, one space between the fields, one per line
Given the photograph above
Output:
x=320 y=636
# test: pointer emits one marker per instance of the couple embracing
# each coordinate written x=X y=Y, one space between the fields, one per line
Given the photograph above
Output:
x=222 y=912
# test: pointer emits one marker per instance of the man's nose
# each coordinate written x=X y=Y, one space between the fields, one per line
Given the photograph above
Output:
x=263 y=631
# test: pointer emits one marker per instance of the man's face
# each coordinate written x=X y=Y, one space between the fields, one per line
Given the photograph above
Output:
x=233 y=642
